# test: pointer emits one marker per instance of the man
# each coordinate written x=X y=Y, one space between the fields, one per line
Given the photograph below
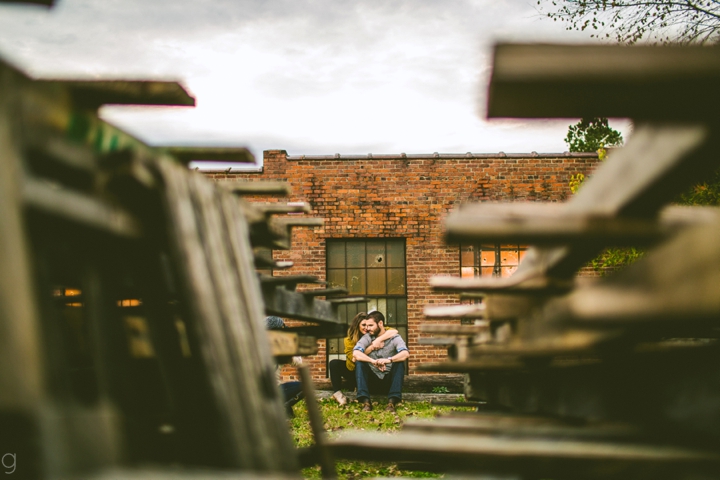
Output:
x=383 y=369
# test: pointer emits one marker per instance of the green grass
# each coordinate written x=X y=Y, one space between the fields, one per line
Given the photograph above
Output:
x=339 y=419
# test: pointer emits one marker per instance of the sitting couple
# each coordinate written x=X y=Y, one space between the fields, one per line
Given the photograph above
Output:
x=374 y=361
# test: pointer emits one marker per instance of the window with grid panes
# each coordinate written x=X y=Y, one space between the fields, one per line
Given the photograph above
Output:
x=490 y=260
x=374 y=269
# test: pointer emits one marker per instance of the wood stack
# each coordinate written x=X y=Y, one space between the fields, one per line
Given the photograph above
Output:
x=131 y=315
x=590 y=379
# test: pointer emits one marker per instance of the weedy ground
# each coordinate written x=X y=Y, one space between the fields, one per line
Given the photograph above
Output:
x=338 y=419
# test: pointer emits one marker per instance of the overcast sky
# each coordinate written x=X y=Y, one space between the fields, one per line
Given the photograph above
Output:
x=307 y=76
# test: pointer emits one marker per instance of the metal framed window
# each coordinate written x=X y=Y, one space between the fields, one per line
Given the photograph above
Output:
x=490 y=260
x=375 y=269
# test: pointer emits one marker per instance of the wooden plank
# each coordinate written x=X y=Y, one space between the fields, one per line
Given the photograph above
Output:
x=91 y=94
x=213 y=154
x=183 y=473
x=582 y=81
x=256 y=188
x=281 y=208
x=520 y=426
x=552 y=344
x=283 y=303
x=339 y=301
x=78 y=207
x=290 y=280
x=262 y=262
x=461 y=330
x=486 y=454
x=553 y=224
x=214 y=259
x=288 y=344
x=324 y=292
x=520 y=284
x=22 y=381
x=635 y=181
x=52 y=148
x=524 y=226
x=327 y=460
x=676 y=282
x=469 y=311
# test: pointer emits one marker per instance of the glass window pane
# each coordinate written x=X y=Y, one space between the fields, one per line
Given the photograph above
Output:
x=336 y=254
x=372 y=304
x=401 y=311
x=382 y=306
x=403 y=333
x=395 y=253
x=356 y=281
x=376 y=255
x=507 y=271
x=467 y=256
x=522 y=252
x=467 y=272
x=509 y=256
x=376 y=281
x=487 y=257
x=343 y=312
x=333 y=346
x=486 y=271
x=336 y=278
x=396 y=281
x=355 y=254
x=391 y=311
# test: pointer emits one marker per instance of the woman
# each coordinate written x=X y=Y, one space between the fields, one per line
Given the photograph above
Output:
x=340 y=369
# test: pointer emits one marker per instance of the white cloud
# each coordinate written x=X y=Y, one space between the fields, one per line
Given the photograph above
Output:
x=313 y=77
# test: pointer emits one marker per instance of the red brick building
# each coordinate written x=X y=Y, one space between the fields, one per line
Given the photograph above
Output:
x=383 y=232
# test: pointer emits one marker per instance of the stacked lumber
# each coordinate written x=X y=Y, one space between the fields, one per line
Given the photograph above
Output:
x=589 y=379
x=131 y=315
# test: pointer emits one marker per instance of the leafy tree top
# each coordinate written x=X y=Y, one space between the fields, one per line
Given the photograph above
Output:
x=592 y=134
x=627 y=21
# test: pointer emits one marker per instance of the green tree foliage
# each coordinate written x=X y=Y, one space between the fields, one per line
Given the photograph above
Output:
x=628 y=21
x=592 y=134
x=705 y=193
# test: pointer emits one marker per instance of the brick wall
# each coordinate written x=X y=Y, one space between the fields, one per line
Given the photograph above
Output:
x=406 y=197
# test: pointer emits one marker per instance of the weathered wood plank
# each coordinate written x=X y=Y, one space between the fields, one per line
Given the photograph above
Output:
x=675 y=282
x=470 y=311
x=576 y=81
x=461 y=330
x=523 y=426
x=256 y=188
x=91 y=94
x=290 y=281
x=225 y=297
x=515 y=283
x=324 y=292
x=91 y=211
x=281 y=208
x=22 y=385
x=284 y=303
x=214 y=154
x=288 y=344
x=561 y=458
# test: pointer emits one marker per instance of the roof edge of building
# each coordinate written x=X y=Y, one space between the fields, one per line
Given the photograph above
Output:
x=447 y=156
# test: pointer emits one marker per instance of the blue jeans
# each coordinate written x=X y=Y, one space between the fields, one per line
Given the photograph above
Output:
x=367 y=381
x=292 y=393
x=338 y=372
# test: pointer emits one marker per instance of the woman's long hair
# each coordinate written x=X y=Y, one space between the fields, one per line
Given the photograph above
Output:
x=354 y=330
